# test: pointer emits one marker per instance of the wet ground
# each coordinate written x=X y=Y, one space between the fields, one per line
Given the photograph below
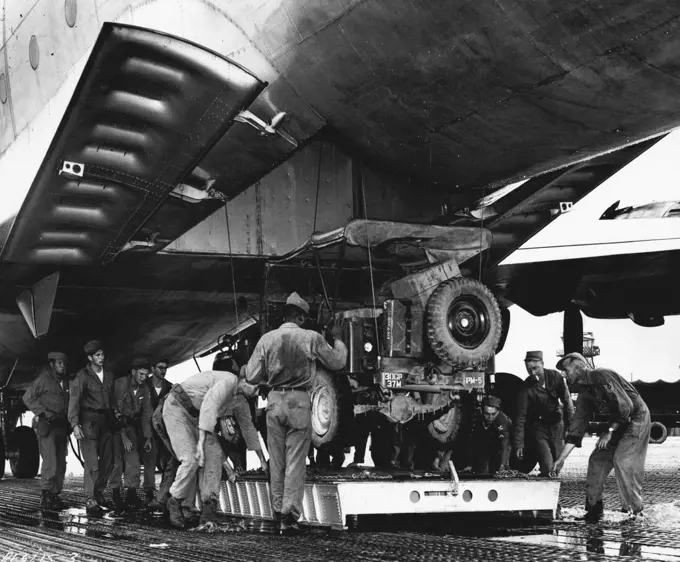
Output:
x=26 y=534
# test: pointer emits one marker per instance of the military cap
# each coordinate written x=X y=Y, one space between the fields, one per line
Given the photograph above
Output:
x=296 y=300
x=492 y=401
x=56 y=356
x=569 y=357
x=139 y=363
x=534 y=356
x=93 y=346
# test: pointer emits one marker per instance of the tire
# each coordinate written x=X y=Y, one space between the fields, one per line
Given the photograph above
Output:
x=505 y=329
x=332 y=407
x=463 y=323
x=445 y=429
x=24 y=441
x=658 y=433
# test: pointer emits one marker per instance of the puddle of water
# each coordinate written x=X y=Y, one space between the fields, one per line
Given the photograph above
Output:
x=614 y=545
x=663 y=516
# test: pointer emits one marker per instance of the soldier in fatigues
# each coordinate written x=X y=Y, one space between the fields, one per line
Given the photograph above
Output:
x=134 y=434
x=190 y=413
x=623 y=447
x=286 y=360
x=490 y=444
x=47 y=398
x=90 y=413
x=159 y=456
x=544 y=409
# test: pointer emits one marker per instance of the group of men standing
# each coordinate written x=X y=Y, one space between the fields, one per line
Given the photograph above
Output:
x=134 y=421
x=140 y=421
x=111 y=419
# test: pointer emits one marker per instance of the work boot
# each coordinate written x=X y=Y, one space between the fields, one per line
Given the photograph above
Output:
x=93 y=509
x=175 y=513
x=208 y=514
x=132 y=501
x=118 y=504
x=149 y=497
x=290 y=526
x=101 y=501
x=159 y=504
x=191 y=515
x=594 y=512
x=57 y=503
x=46 y=500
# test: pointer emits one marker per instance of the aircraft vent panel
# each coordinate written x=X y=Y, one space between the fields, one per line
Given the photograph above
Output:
x=146 y=110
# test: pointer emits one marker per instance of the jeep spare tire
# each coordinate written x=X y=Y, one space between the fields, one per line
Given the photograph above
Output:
x=658 y=433
x=332 y=409
x=463 y=323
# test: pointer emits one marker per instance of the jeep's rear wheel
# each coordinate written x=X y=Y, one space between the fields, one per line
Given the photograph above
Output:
x=445 y=429
x=463 y=322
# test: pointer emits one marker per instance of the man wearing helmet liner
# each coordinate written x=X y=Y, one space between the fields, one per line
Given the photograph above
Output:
x=90 y=413
x=544 y=409
x=48 y=400
x=623 y=447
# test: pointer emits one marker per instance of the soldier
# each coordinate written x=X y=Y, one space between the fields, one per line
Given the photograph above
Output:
x=133 y=414
x=542 y=405
x=158 y=456
x=623 y=447
x=286 y=360
x=47 y=398
x=90 y=413
x=237 y=426
x=490 y=445
x=190 y=414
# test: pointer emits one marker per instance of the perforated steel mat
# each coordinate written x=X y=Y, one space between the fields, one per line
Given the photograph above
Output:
x=25 y=532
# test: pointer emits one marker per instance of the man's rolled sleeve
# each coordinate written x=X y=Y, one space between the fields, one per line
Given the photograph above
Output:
x=213 y=403
x=333 y=358
x=579 y=423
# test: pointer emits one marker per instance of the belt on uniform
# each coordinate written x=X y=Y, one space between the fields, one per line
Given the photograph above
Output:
x=179 y=394
x=96 y=411
x=289 y=389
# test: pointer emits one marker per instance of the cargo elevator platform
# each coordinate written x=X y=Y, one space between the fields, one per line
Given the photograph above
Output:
x=336 y=498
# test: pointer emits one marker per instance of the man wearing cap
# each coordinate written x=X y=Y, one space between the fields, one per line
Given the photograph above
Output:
x=133 y=436
x=544 y=409
x=490 y=445
x=47 y=398
x=159 y=456
x=285 y=359
x=191 y=412
x=623 y=447
x=90 y=413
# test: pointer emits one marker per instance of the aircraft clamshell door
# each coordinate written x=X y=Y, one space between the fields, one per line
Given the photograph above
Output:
x=146 y=110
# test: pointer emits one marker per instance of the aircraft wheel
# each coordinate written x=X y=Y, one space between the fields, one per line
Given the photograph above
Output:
x=463 y=322
x=658 y=433
x=332 y=408
x=27 y=462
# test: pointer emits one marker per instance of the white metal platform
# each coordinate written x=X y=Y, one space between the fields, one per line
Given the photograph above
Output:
x=329 y=503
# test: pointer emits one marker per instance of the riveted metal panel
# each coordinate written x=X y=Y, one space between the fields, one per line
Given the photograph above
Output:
x=279 y=213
